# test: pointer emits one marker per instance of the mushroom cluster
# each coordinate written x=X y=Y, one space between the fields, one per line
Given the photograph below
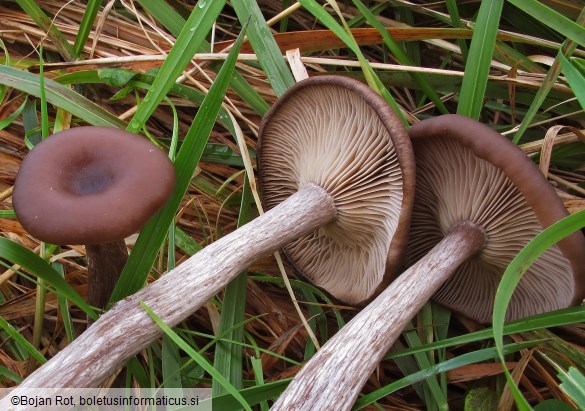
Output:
x=339 y=187
x=93 y=186
x=479 y=200
x=332 y=184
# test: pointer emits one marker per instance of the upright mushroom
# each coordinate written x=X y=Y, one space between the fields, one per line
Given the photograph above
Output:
x=353 y=154
x=478 y=201
x=92 y=186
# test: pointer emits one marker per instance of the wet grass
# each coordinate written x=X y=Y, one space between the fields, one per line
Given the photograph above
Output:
x=163 y=70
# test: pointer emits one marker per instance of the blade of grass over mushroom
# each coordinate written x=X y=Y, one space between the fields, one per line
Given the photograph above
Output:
x=60 y=96
x=451 y=364
x=91 y=11
x=153 y=233
x=46 y=24
x=431 y=385
x=567 y=316
x=173 y=22
x=264 y=45
x=400 y=55
x=517 y=267
x=228 y=356
x=22 y=256
x=480 y=58
x=319 y=12
x=551 y=18
x=197 y=357
x=188 y=42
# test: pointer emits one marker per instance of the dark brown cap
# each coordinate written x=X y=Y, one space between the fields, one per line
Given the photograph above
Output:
x=468 y=172
x=337 y=133
x=91 y=185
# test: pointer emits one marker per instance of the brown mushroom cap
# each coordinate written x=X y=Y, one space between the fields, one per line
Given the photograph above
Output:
x=337 y=133
x=468 y=172
x=91 y=185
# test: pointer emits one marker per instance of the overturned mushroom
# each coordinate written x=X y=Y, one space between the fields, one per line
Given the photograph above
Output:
x=92 y=186
x=337 y=157
x=338 y=134
x=478 y=201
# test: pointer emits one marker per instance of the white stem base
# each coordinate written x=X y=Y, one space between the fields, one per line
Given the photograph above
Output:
x=334 y=377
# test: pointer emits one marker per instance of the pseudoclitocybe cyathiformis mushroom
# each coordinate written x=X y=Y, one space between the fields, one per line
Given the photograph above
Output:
x=478 y=201
x=336 y=133
x=467 y=172
x=92 y=186
x=381 y=178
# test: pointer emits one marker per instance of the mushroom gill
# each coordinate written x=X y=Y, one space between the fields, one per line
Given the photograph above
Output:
x=331 y=137
x=454 y=185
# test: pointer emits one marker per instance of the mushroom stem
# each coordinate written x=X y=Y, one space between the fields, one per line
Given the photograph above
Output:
x=104 y=265
x=126 y=328
x=336 y=374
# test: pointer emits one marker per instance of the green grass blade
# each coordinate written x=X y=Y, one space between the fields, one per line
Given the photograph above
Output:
x=170 y=363
x=91 y=11
x=264 y=45
x=571 y=315
x=188 y=42
x=24 y=257
x=153 y=233
x=60 y=96
x=551 y=18
x=228 y=357
x=5 y=122
x=16 y=336
x=549 y=81
x=167 y=16
x=7 y=214
x=6 y=373
x=575 y=78
x=573 y=384
x=517 y=267
x=431 y=385
x=43 y=98
x=198 y=358
x=173 y=22
x=64 y=306
x=259 y=378
x=480 y=58
x=456 y=22
x=400 y=55
x=31 y=8
x=374 y=82
x=253 y=395
x=464 y=359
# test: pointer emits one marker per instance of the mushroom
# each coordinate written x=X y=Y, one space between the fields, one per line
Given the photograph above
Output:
x=358 y=158
x=92 y=186
x=337 y=133
x=478 y=201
